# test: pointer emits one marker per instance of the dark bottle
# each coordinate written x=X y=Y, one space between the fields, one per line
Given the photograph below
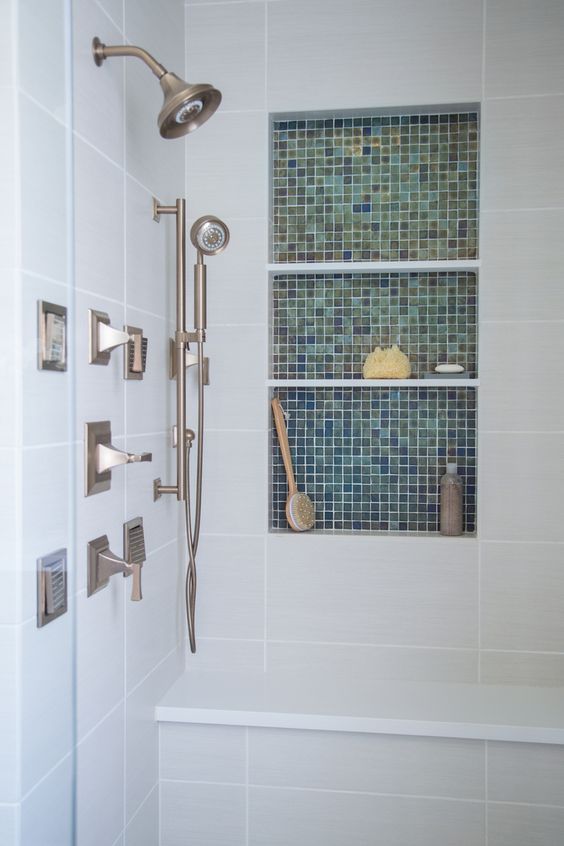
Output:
x=451 y=502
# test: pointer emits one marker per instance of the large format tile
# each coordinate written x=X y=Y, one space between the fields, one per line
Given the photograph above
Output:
x=227 y=654
x=522 y=825
x=522 y=668
x=231 y=587
x=160 y=30
x=348 y=55
x=8 y=181
x=9 y=752
x=216 y=58
x=279 y=817
x=99 y=227
x=47 y=697
x=227 y=166
x=526 y=772
x=100 y=773
x=41 y=53
x=98 y=91
x=521 y=265
x=9 y=825
x=202 y=753
x=202 y=814
x=149 y=402
x=517 y=366
x=44 y=223
x=161 y=519
x=520 y=487
x=522 y=167
x=47 y=812
x=9 y=531
x=377 y=591
x=142 y=735
x=524 y=47
x=143 y=828
x=522 y=589
x=382 y=662
x=367 y=763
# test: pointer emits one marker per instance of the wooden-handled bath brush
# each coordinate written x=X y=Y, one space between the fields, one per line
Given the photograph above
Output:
x=300 y=512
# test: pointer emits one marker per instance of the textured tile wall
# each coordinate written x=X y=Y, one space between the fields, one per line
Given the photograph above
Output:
x=382 y=187
x=324 y=325
x=372 y=459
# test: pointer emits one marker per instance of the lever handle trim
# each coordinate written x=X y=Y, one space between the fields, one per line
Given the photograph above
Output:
x=107 y=456
x=110 y=338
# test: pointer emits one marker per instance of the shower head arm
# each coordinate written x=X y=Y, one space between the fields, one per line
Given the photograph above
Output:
x=101 y=52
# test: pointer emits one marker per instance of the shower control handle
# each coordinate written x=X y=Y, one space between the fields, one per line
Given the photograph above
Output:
x=107 y=456
x=109 y=338
x=103 y=564
x=135 y=570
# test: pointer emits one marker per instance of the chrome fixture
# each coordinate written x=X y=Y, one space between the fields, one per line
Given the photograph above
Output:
x=51 y=587
x=210 y=236
x=186 y=105
x=103 y=564
x=100 y=456
x=104 y=338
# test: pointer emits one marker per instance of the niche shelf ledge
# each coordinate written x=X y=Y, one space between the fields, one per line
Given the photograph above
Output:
x=372 y=266
x=373 y=383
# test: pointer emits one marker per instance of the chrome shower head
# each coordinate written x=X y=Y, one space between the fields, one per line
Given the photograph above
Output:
x=186 y=106
x=209 y=235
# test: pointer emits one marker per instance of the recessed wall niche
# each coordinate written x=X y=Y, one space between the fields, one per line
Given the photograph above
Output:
x=374 y=242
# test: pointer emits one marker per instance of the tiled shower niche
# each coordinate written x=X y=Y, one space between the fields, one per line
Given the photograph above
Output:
x=375 y=188
x=371 y=460
x=324 y=325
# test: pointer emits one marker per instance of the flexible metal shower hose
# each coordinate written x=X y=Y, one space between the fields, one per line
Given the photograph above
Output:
x=193 y=535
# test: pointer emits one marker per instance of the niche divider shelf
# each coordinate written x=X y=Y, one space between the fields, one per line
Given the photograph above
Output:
x=373 y=266
x=373 y=383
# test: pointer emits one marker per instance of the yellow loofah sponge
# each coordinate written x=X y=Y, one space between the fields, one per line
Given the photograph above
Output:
x=389 y=363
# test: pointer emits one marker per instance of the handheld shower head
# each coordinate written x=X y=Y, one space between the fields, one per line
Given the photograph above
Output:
x=209 y=235
x=186 y=106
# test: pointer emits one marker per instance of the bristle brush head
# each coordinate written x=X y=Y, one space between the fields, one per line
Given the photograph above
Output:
x=300 y=512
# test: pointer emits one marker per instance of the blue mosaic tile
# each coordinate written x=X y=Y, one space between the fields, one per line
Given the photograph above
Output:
x=324 y=325
x=372 y=459
x=375 y=188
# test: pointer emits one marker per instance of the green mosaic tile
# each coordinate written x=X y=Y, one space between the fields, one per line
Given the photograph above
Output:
x=372 y=459
x=324 y=325
x=377 y=188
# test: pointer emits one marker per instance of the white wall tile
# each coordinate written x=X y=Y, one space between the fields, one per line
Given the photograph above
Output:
x=160 y=31
x=367 y=763
x=524 y=47
x=236 y=398
x=46 y=813
x=100 y=632
x=142 y=735
x=99 y=227
x=522 y=668
x=150 y=253
x=520 y=499
x=9 y=824
x=155 y=625
x=521 y=265
x=233 y=31
x=278 y=817
x=526 y=772
x=235 y=481
x=522 y=588
x=114 y=9
x=41 y=53
x=98 y=91
x=347 y=55
x=9 y=705
x=8 y=221
x=143 y=829
x=9 y=531
x=202 y=814
x=237 y=282
x=202 y=753
x=515 y=147
x=7 y=42
x=521 y=825
x=227 y=166
x=393 y=663
x=47 y=694
x=100 y=774
x=46 y=395
x=227 y=654
x=517 y=366
x=155 y=415
x=45 y=513
x=100 y=389
x=399 y=592
x=44 y=237
x=231 y=587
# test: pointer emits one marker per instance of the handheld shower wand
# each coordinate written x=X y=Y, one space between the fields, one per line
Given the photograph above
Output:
x=210 y=236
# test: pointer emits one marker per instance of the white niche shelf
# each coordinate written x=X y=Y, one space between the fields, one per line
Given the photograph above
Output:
x=373 y=266
x=372 y=383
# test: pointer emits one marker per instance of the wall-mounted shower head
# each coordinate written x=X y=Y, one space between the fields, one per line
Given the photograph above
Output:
x=209 y=235
x=186 y=106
